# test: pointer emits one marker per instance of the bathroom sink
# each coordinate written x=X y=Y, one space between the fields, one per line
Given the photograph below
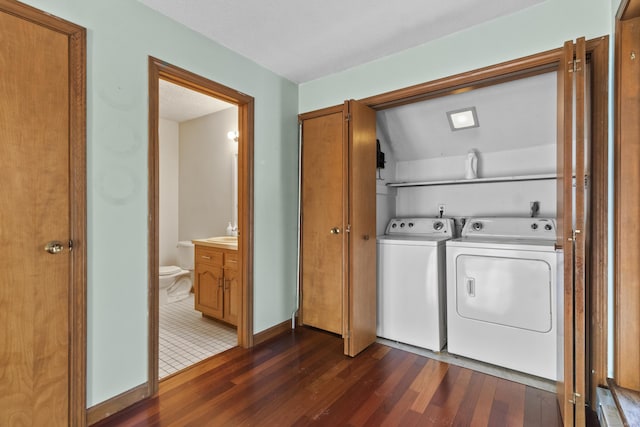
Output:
x=223 y=242
x=223 y=239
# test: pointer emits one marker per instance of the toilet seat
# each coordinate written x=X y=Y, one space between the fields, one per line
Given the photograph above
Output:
x=168 y=270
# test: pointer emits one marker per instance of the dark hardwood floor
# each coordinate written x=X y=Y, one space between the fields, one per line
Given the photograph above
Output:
x=302 y=378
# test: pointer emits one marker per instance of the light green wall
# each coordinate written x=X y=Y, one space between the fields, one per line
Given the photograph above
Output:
x=536 y=29
x=121 y=36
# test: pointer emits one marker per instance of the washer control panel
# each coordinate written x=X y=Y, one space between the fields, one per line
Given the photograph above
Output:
x=421 y=226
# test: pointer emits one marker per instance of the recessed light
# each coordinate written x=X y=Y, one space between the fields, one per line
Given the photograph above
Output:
x=463 y=118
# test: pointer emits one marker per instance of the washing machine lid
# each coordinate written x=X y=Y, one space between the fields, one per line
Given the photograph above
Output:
x=168 y=270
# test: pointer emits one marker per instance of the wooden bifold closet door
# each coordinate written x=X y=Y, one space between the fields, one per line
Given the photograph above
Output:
x=573 y=167
x=338 y=245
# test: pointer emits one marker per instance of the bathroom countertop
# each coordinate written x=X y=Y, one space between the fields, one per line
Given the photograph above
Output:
x=213 y=242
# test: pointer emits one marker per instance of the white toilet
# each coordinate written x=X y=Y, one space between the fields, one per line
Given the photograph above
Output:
x=176 y=281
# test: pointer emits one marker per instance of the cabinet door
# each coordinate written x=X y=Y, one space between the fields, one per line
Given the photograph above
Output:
x=231 y=288
x=209 y=290
x=231 y=296
x=323 y=219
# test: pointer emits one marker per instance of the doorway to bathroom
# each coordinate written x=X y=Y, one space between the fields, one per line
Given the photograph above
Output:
x=200 y=167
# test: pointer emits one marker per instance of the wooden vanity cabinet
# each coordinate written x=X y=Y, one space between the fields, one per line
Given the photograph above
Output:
x=216 y=286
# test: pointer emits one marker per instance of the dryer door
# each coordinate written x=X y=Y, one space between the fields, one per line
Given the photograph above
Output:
x=508 y=291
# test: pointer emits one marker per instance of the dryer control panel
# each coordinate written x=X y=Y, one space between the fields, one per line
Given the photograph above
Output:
x=511 y=228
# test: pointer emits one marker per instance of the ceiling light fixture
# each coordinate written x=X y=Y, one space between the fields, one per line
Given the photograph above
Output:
x=463 y=118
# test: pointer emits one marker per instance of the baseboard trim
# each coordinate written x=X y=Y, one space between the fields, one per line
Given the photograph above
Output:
x=271 y=332
x=116 y=404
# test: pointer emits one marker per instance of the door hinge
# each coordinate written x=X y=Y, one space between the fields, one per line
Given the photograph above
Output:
x=347 y=117
x=348 y=334
x=70 y=245
x=348 y=228
x=575 y=65
x=586 y=181
x=574 y=398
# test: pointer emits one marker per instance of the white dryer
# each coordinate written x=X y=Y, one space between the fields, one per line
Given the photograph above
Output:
x=411 y=281
x=502 y=294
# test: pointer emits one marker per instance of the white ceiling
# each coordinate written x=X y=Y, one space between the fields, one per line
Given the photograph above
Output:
x=180 y=104
x=305 y=40
x=514 y=115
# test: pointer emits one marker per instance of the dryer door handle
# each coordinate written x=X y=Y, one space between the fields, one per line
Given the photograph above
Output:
x=471 y=286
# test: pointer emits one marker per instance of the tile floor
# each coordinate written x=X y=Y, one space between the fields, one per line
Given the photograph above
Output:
x=187 y=338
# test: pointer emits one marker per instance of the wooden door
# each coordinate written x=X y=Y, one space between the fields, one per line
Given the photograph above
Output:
x=42 y=201
x=338 y=249
x=323 y=248
x=572 y=230
x=360 y=313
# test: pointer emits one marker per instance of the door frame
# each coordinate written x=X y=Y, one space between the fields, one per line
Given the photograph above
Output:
x=77 y=199
x=159 y=69
x=626 y=346
x=597 y=52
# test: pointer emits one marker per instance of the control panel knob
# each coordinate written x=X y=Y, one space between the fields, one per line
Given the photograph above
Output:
x=394 y=225
x=534 y=226
x=438 y=225
x=548 y=227
x=410 y=225
x=402 y=224
x=477 y=226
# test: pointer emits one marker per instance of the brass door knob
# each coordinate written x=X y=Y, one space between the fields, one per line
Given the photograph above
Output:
x=54 y=247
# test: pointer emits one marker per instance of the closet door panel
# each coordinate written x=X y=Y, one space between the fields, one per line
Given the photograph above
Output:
x=322 y=225
x=361 y=310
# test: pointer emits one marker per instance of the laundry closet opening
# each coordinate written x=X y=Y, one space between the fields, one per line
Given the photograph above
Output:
x=501 y=173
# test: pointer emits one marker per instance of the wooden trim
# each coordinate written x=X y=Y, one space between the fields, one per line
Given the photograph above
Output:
x=475 y=79
x=627 y=206
x=154 y=226
x=116 y=404
x=159 y=69
x=76 y=36
x=78 y=302
x=628 y=9
x=272 y=332
x=245 y=219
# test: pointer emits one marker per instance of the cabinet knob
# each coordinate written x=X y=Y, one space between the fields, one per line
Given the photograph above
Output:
x=335 y=230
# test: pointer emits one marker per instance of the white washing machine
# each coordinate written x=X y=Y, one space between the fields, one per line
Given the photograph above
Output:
x=502 y=294
x=411 y=281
